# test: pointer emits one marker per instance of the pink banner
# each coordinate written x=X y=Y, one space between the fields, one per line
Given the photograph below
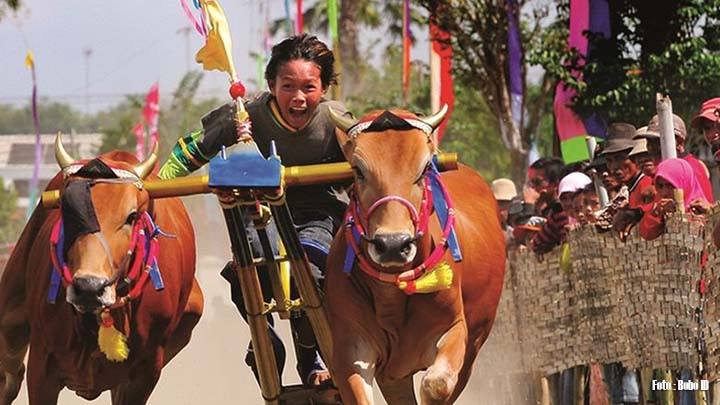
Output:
x=568 y=124
x=139 y=131
x=151 y=112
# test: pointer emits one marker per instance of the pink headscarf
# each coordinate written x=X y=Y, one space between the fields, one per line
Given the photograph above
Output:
x=680 y=174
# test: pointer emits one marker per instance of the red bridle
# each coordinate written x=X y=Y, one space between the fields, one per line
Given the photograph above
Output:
x=355 y=232
x=135 y=266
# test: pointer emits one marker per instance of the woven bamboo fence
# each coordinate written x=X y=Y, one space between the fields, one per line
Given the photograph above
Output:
x=637 y=302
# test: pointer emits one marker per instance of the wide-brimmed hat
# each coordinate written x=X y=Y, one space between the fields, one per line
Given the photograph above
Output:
x=678 y=126
x=503 y=189
x=644 y=132
x=710 y=110
x=640 y=147
x=619 y=138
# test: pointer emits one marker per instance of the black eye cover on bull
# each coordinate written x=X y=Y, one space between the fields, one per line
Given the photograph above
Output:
x=76 y=206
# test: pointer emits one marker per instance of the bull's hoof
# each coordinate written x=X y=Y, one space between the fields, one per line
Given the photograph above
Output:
x=437 y=386
x=10 y=385
x=88 y=394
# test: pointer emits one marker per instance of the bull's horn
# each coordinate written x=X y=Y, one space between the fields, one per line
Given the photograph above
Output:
x=144 y=168
x=435 y=119
x=341 y=121
x=61 y=156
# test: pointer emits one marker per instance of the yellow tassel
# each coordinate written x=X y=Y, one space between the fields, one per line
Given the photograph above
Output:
x=438 y=278
x=110 y=340
x=565 y=263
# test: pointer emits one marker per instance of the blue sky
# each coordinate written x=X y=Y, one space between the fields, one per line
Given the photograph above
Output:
x=133 y=42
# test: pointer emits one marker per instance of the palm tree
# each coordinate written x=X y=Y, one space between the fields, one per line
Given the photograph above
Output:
x=354 y=14
x=7 y=5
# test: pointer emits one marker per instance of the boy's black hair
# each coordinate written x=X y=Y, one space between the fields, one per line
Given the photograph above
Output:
x=306 y=47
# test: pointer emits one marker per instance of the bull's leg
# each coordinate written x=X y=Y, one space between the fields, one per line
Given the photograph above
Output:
x=439 y=381
x=14 y=336
x=42 y=384
x=190 y=317
x=137 y=391
x=399 y=392
x=354 y=368
x=14 y=341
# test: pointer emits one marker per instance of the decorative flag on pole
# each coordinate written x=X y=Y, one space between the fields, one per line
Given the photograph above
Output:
x=217 y=52
x=33 y=192
x=441 y=81
x=299 y=19
x=515 y=64
x=139 y=131
x=332 y=19
x=151 y=113
x=585 y=15
x=332 y=11
x=406 y=50
x=288 y=19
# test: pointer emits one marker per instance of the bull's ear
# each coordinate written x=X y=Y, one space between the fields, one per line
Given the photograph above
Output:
x=345 y=143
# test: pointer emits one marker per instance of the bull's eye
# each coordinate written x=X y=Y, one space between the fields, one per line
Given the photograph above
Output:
x=131 y=218
x=420 y=180
x=359 y=176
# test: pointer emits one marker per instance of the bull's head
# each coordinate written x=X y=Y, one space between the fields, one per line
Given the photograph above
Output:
x=390 y=153
x=100 y=205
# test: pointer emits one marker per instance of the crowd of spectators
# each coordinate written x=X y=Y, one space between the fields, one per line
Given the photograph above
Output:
x=642 y=189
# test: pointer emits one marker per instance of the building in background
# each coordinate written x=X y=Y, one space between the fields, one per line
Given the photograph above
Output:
x=17 y=159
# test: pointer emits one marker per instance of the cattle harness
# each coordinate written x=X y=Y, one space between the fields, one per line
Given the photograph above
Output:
x=138 y=266
x=432 y=274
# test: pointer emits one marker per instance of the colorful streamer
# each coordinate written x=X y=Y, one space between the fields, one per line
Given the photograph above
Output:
x=288 y=19
x=332 y=11
x=299 y=18
x=515 y=65
x=151 y=113
x=33 y=192
x=441 y=80
x=199 y=24
x=139 y=131
x=585 y=15
x=406 y=50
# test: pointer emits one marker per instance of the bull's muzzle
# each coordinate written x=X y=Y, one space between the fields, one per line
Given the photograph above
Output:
x=89 y=293
x=392 y=249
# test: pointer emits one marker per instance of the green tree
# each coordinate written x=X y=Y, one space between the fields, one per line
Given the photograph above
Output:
x=667 y=47
x=180 y=116
x=8 y=5
x=54 y=116
x=479 y=38
x=11 y=219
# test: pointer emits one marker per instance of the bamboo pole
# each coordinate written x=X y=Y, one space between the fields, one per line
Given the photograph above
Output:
x=667 y=132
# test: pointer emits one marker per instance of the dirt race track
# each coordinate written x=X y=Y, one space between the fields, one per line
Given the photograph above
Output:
x=211 y=369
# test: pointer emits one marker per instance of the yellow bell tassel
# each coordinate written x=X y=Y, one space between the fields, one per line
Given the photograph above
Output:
x=110 y=340
x=565 y=262
x=438 y=278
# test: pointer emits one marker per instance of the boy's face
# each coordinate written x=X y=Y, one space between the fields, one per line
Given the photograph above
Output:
x=298 y=90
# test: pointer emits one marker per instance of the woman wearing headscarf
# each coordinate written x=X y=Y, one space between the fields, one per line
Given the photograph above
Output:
x=672 y=174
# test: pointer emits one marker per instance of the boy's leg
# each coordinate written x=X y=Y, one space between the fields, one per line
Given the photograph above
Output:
x=316 y=238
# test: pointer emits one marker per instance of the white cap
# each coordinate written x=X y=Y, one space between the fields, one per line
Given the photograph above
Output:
x=573 y=183
x=503 y=189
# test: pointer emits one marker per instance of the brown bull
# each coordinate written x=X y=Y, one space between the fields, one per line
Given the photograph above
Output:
x=63 y=337
x=380 y=331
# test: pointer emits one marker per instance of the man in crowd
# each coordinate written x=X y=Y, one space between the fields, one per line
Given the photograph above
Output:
x=707 y=120
x=699 y=168
x=647 y=154
x=543 y=177
x=504 y=191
